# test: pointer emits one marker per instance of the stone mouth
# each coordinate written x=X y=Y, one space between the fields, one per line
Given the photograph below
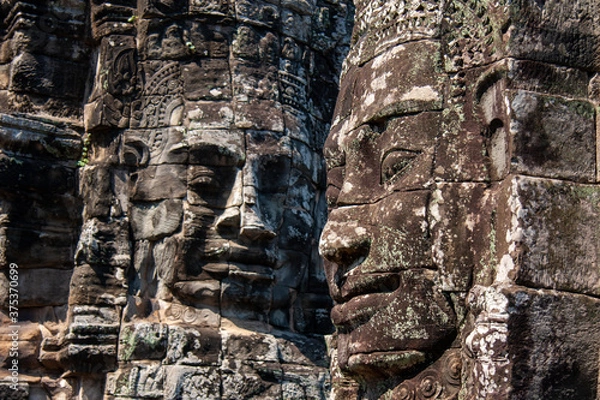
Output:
x=361 y=296
x=357 y=285
x=233 y=252
x=385 y=363
x=358 y=310
x=246 y=272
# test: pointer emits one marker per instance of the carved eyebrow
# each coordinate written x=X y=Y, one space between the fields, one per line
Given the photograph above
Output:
x=216 y=154
x=213 y=146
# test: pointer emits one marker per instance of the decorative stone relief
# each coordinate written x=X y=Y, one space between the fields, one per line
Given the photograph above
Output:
x=116 y=80
x=163 y=188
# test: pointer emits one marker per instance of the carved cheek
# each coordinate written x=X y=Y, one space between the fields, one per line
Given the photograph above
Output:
x=400 y=232
x=414 y=317
x=362 y=170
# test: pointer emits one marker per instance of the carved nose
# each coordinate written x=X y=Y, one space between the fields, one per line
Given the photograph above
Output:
x=253 y=224
x=344 y=243
x=253 y=227
x=229 y=220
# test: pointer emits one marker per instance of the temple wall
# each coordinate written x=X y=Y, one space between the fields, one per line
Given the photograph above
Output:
x=261 y=199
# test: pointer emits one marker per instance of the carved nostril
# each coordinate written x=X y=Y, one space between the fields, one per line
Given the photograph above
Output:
x=253 y=227
x=348 y=256
x=229 y=220
x=344 y=245
x=342 y=252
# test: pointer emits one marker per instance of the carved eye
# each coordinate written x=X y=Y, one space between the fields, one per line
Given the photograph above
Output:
x=205 y=179
x=396 y=164
x=273 y=174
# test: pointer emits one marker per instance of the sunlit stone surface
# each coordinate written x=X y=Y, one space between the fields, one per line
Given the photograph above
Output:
x=163 y=193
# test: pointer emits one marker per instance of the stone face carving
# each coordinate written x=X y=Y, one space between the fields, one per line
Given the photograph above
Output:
x=448 y=193
x=162 y=190
x=195 y=269
x=392 y=318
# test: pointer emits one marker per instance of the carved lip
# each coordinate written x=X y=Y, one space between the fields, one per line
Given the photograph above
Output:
x=389 y=363
x=227 y=250
x=358 y=310
x=243 y=271
x=248 y=272
x=354 y=285
x=361 y=296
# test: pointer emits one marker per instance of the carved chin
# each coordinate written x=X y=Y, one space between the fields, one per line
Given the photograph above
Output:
x=394 y=333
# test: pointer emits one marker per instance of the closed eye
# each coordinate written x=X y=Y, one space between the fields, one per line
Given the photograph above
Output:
x=204 y=178
x=396 y=164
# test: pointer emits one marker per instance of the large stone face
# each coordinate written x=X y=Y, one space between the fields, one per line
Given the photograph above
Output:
x=462 y=166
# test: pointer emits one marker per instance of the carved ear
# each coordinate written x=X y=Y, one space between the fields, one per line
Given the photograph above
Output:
x=173 y=112
x=489 y=93
x=135 y=152
x=490 y=106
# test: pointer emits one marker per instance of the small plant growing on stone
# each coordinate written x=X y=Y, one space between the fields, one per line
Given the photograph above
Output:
x=190 y=46
x=84 y=159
